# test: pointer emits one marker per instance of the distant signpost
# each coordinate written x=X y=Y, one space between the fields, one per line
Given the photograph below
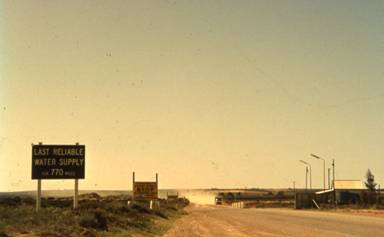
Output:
x=58 y=162
x=144 y=191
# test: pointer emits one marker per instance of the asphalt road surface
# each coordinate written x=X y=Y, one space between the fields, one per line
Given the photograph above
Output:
x=209 y=221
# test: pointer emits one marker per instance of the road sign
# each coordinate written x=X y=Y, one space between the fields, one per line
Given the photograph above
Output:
x=145 y=191
x=58 y=161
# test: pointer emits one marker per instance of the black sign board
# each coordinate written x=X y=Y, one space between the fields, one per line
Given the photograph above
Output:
x=58 y=161
x=145 y=190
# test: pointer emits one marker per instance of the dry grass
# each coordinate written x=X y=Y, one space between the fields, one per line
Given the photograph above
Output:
x=97 y=216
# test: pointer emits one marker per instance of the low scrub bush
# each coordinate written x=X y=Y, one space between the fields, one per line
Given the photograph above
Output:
x=161 y=214
x=141 y=208
x=2 y=234
x=96 y=219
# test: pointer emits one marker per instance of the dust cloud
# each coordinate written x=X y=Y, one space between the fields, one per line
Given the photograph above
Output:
x=200 y=197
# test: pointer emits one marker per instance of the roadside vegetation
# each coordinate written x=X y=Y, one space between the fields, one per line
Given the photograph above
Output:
x=257 y=198
x=96 y=216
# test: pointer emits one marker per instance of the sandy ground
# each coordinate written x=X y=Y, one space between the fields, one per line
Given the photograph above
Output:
x=209 y=221
x=361 y=212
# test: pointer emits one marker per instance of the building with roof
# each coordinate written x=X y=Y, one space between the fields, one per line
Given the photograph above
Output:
x=343 y=191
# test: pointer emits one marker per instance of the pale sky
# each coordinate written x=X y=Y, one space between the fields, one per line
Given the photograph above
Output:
x=206 y=93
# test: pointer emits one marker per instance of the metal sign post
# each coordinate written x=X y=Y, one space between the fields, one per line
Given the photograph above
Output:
x=38 y=195
x=157 y=190
x=75 y=196
x=133 y=187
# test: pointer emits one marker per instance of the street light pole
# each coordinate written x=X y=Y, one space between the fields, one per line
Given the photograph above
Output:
x=310 y=172
x=310 y=176
x=333 y=182
x=333 y=170
x=329 y=178
x=306 y=178
x=317 y=157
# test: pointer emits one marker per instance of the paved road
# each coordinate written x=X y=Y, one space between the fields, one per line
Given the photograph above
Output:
x=209 y=221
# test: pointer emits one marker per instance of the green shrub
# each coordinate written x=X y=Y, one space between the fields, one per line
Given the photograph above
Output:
x=88 y=221
x=141 y=208
x=3 y=234
x=101 y=218
x=107 y=217
x=161 y=214
x=96 y=219
x=87 y=233
x=51 y=234
x=90 y=204
x=10 y=201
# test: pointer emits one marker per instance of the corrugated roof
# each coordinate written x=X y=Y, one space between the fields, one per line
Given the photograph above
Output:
x=326 y=191
x=349 y=184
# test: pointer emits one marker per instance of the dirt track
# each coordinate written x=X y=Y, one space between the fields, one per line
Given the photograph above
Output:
x=209 y=221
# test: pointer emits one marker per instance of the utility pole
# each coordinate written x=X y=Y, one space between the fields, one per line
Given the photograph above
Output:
x=378 y=198
x=334 y=188
x=310 y=174
x=306 y=178
x=333 y=170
